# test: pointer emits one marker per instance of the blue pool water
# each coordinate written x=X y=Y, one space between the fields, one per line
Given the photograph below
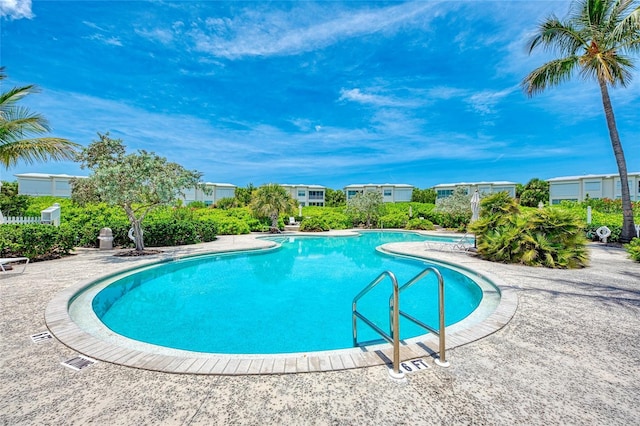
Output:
x=296 y=298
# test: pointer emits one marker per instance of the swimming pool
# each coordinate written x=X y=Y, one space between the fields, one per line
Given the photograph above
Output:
x=296 y=298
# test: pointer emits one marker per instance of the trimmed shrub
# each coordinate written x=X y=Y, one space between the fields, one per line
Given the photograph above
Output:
x=633 y=248
x=423 y=224
x=394 y=220
x=35 y=241
x=314 y=224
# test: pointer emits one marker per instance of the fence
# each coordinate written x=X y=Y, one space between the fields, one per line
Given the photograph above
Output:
x=49 y=216
x=19 y=220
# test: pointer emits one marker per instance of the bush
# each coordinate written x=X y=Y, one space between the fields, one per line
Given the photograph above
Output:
x=35 y=241
x=633 y=248
x=314 y=224
x=418 y=223
x=394 y=220
x=553 y=238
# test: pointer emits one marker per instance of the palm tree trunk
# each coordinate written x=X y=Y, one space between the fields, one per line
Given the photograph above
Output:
x=628 y=228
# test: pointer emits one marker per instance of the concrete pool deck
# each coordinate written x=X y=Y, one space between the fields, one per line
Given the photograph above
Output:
x=570 y=355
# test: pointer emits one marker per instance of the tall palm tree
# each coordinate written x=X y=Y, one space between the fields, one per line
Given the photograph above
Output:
x=270 y=201
x=18 y=125
x=594 y=40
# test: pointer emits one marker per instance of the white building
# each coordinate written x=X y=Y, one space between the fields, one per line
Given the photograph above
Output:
x=42 y=184
x=391 y=193
x=216 y=191
x=577 y=188
x=444 y=190
x=307 y=195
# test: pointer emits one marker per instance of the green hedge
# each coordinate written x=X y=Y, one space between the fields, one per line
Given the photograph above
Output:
x=314 y=224
x=35 y=241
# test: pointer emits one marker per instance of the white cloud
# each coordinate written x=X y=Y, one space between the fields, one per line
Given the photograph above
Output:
x=356 y=95
x=16 y=9
x=259 y=33
x=485 y=102
x=112 y=41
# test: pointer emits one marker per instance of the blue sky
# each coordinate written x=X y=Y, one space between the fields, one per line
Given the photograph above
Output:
x=328 y=93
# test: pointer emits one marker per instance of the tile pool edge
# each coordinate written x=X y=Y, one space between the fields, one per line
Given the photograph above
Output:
x=72 y=335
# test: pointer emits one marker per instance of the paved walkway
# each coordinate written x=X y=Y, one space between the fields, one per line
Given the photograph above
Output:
x=570 y=355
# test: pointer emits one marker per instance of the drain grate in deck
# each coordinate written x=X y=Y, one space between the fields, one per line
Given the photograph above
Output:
x=79 y=362
x=41 y=337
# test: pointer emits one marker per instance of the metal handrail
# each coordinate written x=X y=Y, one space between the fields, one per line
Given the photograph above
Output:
x=394 y=338
x=441 y=360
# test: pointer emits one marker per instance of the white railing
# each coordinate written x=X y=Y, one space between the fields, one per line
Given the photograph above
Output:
x=19 y=220
x=49 y=216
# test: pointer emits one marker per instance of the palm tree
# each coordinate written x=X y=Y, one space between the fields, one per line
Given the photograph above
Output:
x=270 y=201
x=18 y=125
x=593 y=40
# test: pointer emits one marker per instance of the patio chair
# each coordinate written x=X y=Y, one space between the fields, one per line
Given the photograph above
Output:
x=6 y=260
x=464 y=243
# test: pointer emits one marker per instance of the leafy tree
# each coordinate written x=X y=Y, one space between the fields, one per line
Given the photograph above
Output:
x=458 y=203
x=519 y=190
x=366 y=207
x=137 y=182
x=11 y=203
x=594 y=40
x=243 y=195
x=271 y=201
x=334 y=198
x=426 y=196
x=18 y=128
x=535 y=191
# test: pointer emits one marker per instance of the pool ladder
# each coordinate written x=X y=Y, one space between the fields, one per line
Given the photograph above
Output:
x=394 y=315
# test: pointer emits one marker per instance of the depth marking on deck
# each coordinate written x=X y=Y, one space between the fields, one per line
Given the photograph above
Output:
x=41 y=337
x=79 y=362
x=414 y=365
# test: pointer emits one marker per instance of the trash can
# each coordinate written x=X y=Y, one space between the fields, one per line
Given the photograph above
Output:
x=106 y=239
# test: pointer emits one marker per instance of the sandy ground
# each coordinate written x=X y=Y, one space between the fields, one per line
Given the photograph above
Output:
x=570 y=355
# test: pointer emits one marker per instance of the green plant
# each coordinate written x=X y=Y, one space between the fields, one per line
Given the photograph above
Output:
x=394 y=220
x=365 y=208
x=35 y=241
x=633 y=248
x=418 y=223
x=314 y=224
x=553 y=238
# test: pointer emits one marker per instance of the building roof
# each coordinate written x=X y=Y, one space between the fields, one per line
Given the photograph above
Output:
x=46 y=175
x=609 y=175
x=499 y=182
x=379 y=185
x=288 y=185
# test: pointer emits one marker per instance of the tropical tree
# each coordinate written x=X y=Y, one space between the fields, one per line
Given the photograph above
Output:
x=18 y=128
x=137 y=182
x=536 y=191
x=334 y=198
x=270 y=201
x=366 y=207
x=594 y=40
x=427 y=196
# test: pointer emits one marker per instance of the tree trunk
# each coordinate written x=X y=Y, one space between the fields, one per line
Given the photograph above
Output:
x=628 y=228
x=136 y=227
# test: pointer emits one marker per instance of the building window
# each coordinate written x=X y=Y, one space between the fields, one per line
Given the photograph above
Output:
x=352 y=193
x=387 y=193
x=316 y=195
x=444 y=193
x=302 y=193
x=592 y=186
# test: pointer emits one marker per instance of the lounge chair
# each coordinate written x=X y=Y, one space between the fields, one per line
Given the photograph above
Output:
x=464 y=243
x=7 y=260
x=292 y=220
